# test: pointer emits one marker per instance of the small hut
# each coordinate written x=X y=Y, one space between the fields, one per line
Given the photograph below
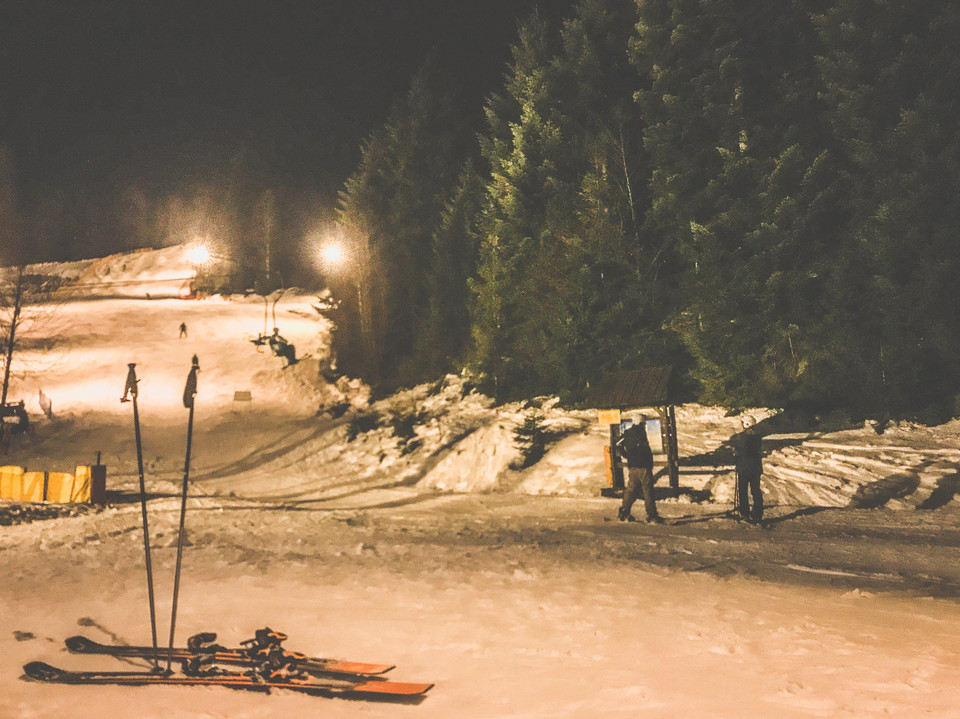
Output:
x=643 y=389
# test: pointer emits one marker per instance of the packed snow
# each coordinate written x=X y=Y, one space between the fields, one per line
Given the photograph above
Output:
x=404 y=530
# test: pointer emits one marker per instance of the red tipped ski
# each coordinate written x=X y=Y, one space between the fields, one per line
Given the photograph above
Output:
x=360 y=689
x=314 y=665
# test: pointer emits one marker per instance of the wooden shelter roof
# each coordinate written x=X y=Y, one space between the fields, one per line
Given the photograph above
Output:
x=645 y=387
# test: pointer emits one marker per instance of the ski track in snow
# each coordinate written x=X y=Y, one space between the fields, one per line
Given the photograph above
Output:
x=511 y=589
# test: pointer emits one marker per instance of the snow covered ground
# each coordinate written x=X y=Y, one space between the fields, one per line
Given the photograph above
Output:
x=401 y=531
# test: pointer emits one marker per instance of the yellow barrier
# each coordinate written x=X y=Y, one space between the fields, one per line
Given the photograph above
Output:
x=34 y=484
x=59 y=487
x=86 y=484
x=11 y=479
x=607 y=465
x=81 y=485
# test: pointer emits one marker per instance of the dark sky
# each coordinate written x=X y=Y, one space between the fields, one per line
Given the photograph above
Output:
x=99 y=94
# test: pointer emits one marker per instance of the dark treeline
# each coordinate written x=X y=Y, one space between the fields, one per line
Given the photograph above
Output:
x=130 y=125
x=265 y=228
x=763 y=195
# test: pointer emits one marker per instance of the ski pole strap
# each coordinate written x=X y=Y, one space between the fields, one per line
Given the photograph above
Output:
x=190 y=389
x=130 y=387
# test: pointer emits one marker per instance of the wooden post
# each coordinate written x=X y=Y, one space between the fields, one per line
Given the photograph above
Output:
x=616 y=465
x=673 y=449
x=664 y=432
x=611 y=418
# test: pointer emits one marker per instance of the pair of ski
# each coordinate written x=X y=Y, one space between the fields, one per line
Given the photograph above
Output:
x=310 y=675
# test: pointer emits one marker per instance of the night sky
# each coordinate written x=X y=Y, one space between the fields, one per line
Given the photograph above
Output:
x=98 y=95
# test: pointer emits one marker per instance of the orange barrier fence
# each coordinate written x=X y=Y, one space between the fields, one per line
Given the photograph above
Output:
x=86 y=484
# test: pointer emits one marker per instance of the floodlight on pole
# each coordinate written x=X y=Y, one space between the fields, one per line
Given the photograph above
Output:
x=199 y=254
x=332 y=253
x=341 y=257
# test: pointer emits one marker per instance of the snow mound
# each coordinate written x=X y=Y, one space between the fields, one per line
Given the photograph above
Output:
x=477 y=462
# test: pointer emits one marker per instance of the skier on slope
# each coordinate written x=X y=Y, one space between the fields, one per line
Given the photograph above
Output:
x=634 y=447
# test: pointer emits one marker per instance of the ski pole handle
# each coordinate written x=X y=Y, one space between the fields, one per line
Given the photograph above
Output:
x=190 y=389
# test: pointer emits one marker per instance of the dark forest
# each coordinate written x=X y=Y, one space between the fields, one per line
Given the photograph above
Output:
x=763 y=195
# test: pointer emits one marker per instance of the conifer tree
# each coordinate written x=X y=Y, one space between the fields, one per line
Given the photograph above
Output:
x=518 y=314
x=389 y=210
x=568 y=285
x=739 y=158
x=893 y=81
x=445 y=336
x=621 y=276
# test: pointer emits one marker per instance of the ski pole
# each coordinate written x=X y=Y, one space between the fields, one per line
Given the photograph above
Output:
x=131 y=389
x=189 y=392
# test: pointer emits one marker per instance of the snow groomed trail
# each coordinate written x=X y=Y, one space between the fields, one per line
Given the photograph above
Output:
x=400 y=531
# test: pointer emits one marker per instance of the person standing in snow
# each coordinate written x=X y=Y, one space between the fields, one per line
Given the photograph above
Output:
x=183 y=329
x=46 y=404
x=749 y=468
x=634 y=447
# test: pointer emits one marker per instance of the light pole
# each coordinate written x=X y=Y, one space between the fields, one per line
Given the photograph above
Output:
x=198 y=253
x=332 y=254
x=335 y=256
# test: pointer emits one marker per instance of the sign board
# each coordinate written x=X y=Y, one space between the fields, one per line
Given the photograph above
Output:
x=609 y=416
x=654 y=436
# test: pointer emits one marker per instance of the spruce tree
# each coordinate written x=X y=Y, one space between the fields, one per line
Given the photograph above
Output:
x=623 y=272
x=893 y=78
x=445 y=336
x=388 y=212
x=519 y=312
x=568 y=286
x=739 y=157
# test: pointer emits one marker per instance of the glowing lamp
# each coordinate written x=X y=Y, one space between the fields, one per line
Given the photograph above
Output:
x=198 y=254
x=333 y=253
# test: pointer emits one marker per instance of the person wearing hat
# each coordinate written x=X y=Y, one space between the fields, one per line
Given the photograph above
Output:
x=749 y=467
x=634 y=447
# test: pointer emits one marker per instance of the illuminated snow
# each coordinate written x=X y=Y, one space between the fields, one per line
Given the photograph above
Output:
x=512 y=589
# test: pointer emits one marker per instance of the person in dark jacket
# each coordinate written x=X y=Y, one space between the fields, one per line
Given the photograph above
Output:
x=749 y=467
x=634 y=447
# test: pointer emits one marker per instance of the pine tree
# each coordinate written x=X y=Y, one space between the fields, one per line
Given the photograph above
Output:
x=624 y=271
x=518 y=314
x=389 y=210
x=530 y=439
x=893 y=81
x=445 y=336
x=740 y=158
x=568 y=287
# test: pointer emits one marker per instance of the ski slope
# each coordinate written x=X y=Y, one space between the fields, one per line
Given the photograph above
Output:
x=514 y=590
